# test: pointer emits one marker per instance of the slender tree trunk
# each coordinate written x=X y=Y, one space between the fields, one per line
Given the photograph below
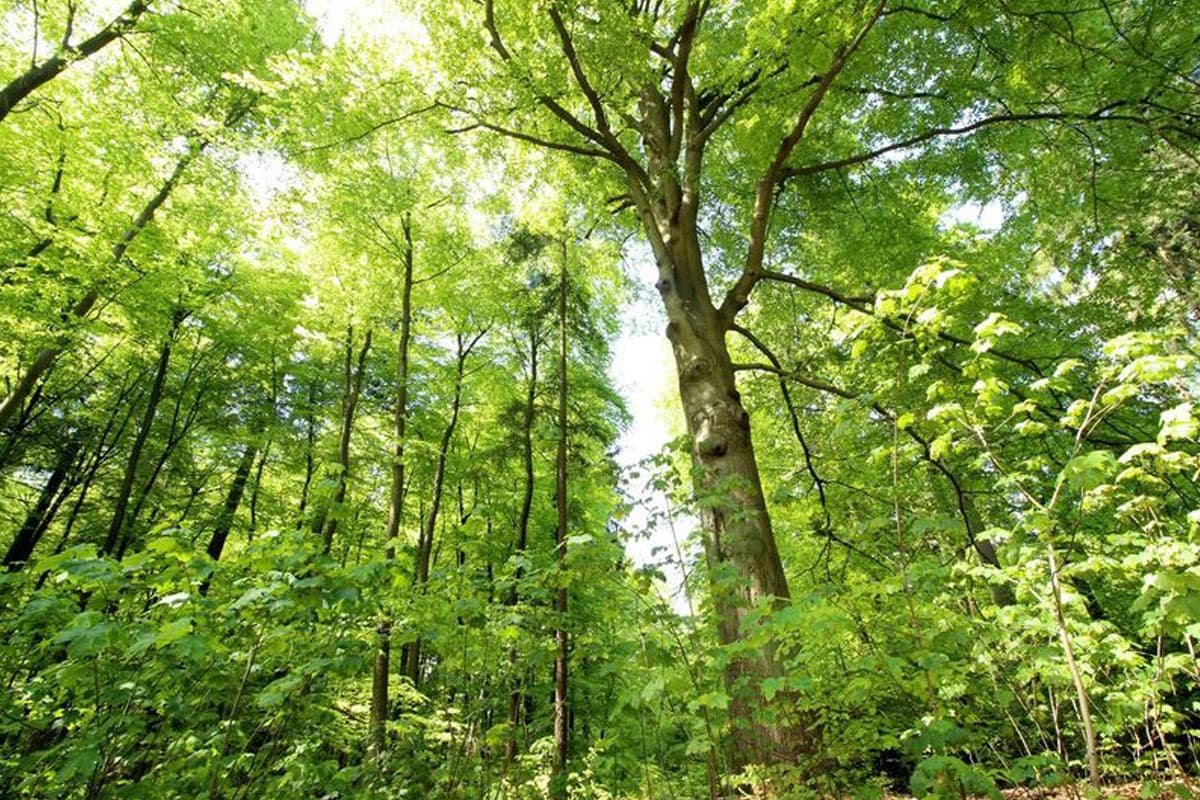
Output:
x=1081 y=695
x=379 y=685
x=176 y=432
x=353 y=389
x=411 y=655
x=46 y=357
x=25 y=84
x=310 y=437
x=256 y=492
x=224 y=523
x=115 y=426
x=515 y=701
x=116 y=527
x=561 y=711
x=36 y=520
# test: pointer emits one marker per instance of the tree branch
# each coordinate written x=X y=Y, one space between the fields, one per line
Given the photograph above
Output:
x=794 y=416
x=933 y=133
x=764 y=196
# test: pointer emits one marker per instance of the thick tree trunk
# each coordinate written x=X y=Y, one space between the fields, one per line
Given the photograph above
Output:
x=561 y=643
x=116 y=527
x=352 y=391
x=36 y=520
x=379 y=684
x=745 y=570
x=24 y=85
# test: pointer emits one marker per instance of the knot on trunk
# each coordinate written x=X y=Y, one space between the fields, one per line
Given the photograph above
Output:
x=715 y=425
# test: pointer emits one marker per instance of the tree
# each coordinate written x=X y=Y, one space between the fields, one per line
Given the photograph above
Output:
x=703 y=127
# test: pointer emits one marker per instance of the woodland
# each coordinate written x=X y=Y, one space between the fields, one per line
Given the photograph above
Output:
x=312 y=474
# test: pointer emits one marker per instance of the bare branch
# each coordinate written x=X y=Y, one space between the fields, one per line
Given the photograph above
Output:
x=549 y=144
x=794 y=416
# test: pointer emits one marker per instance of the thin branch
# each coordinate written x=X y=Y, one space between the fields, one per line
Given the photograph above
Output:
x=794 y=416
x=764 y=197
x=367 y=132
x=798 y=377
x=489 y=22
x=590 y=152
x=934 y=133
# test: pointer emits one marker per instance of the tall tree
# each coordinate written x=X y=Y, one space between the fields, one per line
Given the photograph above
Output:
x=711 y=121
x=382 y=666
x=411 y=656
x=353 y=375
x=561 y=644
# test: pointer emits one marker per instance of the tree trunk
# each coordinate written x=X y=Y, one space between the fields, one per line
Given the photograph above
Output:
x=310 y=464
x=256 y=492
x=36 y=520
x=353 y=389
x=561 y=712
x=46 y=357
x=115 y=426
x=116 y=527
x=744 y=567
x=515 y=701
x=175 y=434
x=379 y=685
x=1081 y=695
x=216 y=545
x=24 y=85
x=411 y=656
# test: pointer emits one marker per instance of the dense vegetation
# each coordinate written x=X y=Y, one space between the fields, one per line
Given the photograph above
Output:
x=309 y=469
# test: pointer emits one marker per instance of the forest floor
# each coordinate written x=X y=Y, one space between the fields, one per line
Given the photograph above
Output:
x=1176 y=790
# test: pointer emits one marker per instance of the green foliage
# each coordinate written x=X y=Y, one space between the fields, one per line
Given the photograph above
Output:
x=977 y=440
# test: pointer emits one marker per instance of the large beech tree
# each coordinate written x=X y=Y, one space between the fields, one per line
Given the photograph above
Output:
x=704 y=113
